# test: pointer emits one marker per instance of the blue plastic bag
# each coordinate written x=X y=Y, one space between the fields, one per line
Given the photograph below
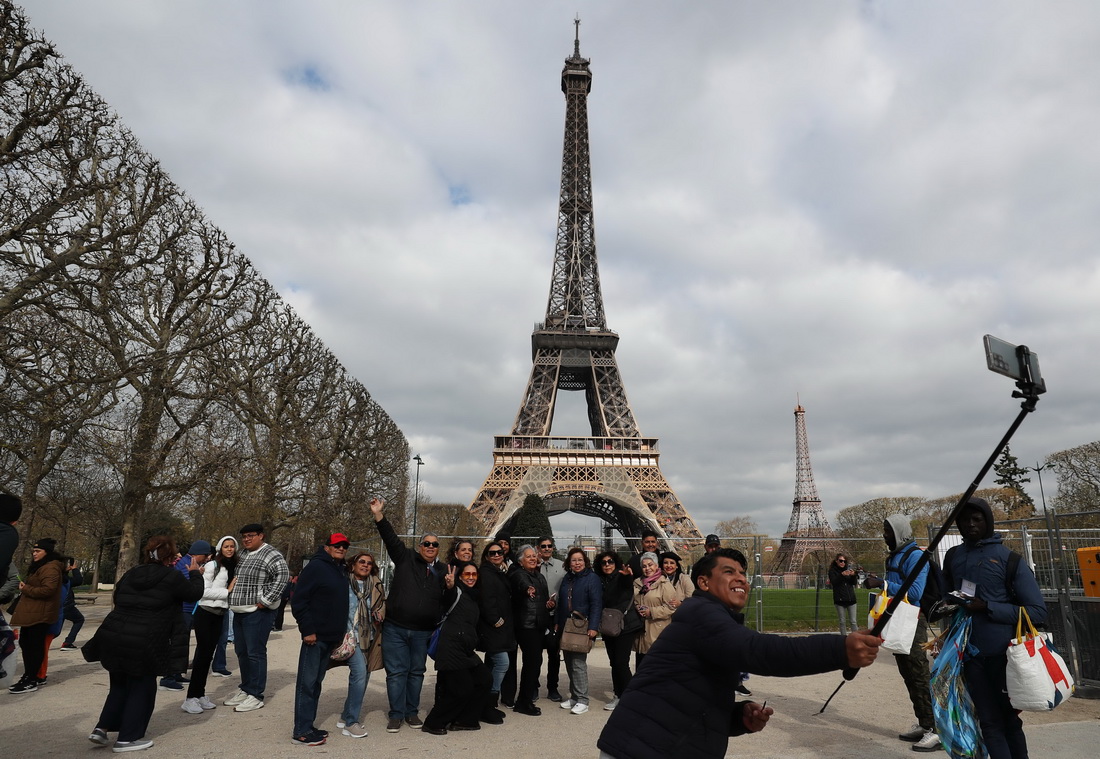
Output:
x=956 y=723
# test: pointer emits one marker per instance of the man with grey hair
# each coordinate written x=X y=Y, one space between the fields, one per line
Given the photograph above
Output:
x=413 y=609
x=554 y=571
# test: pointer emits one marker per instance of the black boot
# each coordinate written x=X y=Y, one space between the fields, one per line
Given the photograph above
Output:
x=527 y=707
x=490 y=715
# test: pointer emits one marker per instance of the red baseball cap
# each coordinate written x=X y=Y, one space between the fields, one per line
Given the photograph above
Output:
x=337 y=537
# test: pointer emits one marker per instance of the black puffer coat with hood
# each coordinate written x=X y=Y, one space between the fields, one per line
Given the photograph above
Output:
x=144 y=634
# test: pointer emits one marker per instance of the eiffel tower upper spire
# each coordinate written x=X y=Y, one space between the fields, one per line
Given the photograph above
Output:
x=612 y=472
x=576 y=302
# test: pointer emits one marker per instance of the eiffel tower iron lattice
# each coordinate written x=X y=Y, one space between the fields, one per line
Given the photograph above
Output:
x=808 y=532
x=612 y=474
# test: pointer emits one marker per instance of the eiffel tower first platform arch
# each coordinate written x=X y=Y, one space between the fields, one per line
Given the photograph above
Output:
x=614 y=473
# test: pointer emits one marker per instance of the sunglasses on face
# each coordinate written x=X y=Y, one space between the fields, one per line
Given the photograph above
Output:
x=608 y=561
x=547 y=545
x=496 y=553
x=365 y=563
x=430 y=544
x=341 y=546
x=469 y=575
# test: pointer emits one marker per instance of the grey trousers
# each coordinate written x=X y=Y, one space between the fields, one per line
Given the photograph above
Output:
x=576 y=665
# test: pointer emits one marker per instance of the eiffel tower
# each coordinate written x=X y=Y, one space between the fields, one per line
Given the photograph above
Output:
x=614 y=473
x=808 y=532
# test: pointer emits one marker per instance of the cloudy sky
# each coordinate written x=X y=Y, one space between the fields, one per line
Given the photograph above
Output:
x=831 y=201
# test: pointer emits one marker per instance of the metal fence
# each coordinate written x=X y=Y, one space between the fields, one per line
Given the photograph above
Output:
x=802 y=602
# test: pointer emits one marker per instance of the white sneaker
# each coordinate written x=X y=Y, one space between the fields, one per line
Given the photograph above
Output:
x=341 y=725
x=236 y=698
x=579 y=709
x=206 y=703
x=930 y=742
x=912 y=735
x=610 y=705
x=567 y=703
x=354 y=731
x=250 y=704
x=191 y=706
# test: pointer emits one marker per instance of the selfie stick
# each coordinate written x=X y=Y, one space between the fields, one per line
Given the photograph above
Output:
x=1029 y=390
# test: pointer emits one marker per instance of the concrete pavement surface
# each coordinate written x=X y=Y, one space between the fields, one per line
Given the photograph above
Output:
x=862 y=721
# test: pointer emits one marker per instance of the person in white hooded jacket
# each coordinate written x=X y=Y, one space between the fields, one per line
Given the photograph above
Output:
x=217 y=576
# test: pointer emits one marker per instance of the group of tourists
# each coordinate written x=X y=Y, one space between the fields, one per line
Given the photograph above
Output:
x=490 y=622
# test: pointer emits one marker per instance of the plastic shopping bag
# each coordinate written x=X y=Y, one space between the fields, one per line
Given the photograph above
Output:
x=1038 y=679
x=956 y=724
x=897 y=636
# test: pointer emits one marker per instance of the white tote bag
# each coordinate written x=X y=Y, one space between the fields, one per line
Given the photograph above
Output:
x=897 y=636
x=1038 y=679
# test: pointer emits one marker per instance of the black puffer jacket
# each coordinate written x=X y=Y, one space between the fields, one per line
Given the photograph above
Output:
x=458 y=638
x=496 y=604
x=530 y=613
x=144 y=634
x=416 y=593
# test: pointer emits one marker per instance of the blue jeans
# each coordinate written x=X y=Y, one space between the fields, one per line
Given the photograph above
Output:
x=358 y=677
x=312 y=666
x=223 y=641
x=498 y=663
x=250 y=634
x=405 y=654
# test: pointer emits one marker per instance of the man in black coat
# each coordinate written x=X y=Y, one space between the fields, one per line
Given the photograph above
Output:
x=413 y=609
x=320 y=605
x=682 y=703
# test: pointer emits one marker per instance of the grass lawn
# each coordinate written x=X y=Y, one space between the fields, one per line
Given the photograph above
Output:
x=800 y=610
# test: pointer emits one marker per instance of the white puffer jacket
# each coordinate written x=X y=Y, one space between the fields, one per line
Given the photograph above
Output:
x=215 y=597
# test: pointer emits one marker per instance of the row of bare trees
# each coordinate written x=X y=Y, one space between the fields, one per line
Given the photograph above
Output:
x=149 y=376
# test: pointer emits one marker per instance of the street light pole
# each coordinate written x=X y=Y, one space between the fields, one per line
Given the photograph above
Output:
x=416 y=491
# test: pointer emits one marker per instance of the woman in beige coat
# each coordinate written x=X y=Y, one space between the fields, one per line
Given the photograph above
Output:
x=653 y=597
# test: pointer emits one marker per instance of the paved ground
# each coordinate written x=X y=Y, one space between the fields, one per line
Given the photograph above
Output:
x=862 y=720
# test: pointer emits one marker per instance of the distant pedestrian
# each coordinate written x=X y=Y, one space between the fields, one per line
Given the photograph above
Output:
x=69 y=609
x=142 y=637
x=320 y=606
x=842 y=578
